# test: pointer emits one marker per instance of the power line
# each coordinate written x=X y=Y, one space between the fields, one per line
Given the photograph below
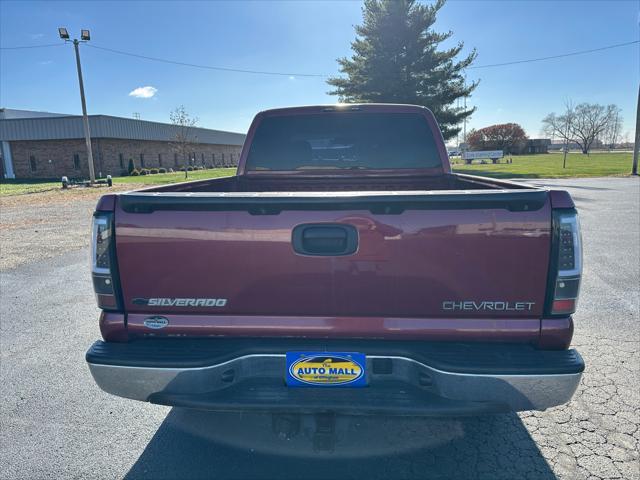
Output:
x=581 y=52
x=209 y=67
x=313 y=75
x=319 y=75
x=33 y=46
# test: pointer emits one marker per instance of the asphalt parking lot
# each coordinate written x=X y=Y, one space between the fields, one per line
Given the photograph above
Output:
x=55 y=423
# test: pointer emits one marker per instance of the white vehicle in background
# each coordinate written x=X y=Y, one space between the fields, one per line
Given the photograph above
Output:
x=454 y=152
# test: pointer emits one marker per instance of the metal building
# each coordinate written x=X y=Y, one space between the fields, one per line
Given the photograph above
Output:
x=50 y=145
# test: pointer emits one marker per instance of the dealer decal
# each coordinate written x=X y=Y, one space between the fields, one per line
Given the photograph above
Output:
x=325 y=369
x=156 y=322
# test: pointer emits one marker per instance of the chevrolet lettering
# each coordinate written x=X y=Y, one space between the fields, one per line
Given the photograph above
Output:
x=470 y=305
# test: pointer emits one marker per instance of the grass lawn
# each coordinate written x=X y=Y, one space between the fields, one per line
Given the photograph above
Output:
x=162 y=178
x=549 y=165
x=18 y=187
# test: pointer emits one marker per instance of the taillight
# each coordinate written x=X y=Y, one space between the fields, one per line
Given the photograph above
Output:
x=103 y=265
x=566 y=263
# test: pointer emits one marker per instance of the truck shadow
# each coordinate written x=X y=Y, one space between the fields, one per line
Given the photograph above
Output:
x=196 y=444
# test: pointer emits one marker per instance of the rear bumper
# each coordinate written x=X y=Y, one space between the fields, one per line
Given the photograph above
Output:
x=404 y=378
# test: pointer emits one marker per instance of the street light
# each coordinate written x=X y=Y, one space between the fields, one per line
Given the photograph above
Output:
x=84 y=36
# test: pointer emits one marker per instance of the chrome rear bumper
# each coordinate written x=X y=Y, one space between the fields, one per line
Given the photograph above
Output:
x=404 y=386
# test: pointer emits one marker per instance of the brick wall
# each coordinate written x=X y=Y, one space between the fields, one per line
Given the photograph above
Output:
x=55 y=158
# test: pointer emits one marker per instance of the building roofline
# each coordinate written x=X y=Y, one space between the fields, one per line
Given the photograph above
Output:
x=108 y=126
x=100 y=115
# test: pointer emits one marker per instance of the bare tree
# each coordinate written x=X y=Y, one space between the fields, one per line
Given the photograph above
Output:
x=590 y=121
x=184 y=138
x=553 y=125
x=612 y=133
x=560 y=126
x=582 y=124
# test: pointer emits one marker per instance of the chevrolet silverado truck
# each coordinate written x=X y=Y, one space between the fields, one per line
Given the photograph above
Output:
x=343 y=269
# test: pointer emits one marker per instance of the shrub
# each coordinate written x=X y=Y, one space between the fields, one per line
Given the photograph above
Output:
x=144 y=171
x=189 y=168
x=135 y=172
x=162 y=170
x=170 y=170
x=153 y=171
x=132 y=167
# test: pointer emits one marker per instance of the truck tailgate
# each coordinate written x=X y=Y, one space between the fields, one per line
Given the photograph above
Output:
x=482 y=255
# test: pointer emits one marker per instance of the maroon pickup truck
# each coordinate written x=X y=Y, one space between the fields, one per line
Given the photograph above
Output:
x=344 y=268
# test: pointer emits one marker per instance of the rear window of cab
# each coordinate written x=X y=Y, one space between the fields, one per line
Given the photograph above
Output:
x=327 y=141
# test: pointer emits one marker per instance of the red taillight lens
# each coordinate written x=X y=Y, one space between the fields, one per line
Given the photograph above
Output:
x=564 y=306
x=102 y=261
x=567 y=262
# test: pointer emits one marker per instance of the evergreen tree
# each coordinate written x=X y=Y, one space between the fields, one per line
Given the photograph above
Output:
x=396 y=60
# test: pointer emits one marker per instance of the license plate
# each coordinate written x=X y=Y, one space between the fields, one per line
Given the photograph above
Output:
x=326 y=369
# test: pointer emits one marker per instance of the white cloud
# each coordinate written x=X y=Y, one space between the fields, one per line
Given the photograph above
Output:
x=143 y=92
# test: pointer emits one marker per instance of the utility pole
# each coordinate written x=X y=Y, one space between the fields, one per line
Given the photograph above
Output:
x=85 y=119
x=566 y=144
x=464 y=122
x=458 y=133
x=464 y=132
x=636 y=145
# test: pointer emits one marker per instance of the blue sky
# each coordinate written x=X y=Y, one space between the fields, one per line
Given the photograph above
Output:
x=305 y=37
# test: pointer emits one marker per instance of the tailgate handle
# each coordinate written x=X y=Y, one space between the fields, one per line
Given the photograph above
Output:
x=325 y=239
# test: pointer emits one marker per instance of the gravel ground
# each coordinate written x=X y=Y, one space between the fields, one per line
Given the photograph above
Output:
x=54 y=422
x=43 y=225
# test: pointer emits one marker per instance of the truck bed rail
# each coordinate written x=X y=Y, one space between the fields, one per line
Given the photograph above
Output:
x=272 y=203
